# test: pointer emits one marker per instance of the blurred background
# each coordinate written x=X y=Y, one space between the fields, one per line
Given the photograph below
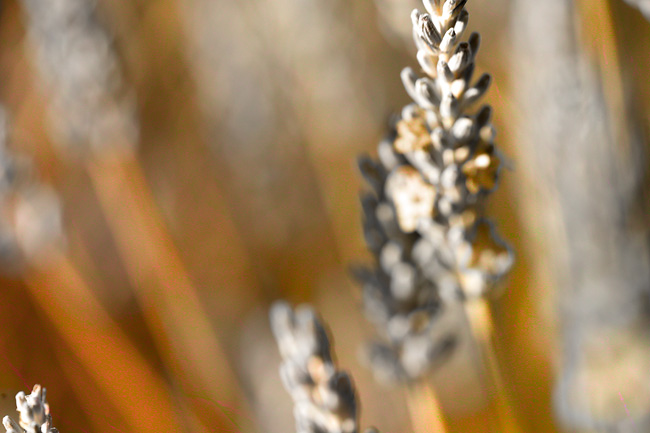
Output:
x=236 y=185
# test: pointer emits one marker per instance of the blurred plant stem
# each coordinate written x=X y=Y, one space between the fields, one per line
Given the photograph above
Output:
x=598 y=36
x=479 y=315
x=597 y=186
x=140 y=393
x=182 y=331
x=424 y=409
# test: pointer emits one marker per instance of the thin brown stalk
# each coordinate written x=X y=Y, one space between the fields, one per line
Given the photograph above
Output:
x=138 y=392
x=482 y=324
x=424 y=409
x=182 y=331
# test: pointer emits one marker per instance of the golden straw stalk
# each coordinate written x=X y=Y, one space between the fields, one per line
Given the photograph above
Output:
x=138 y=392
x=185 y=338
x=424 y=409
x=482 y=324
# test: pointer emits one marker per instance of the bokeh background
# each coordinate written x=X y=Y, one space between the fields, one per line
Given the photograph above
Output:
x=243 y=189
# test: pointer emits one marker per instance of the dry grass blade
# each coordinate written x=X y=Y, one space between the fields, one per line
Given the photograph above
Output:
x=482 y=323
x=425 y=410
x=172 y=307
x=97 y=341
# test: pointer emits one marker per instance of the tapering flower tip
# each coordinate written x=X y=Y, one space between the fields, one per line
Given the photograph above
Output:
x=324 y=397
x=34 y=414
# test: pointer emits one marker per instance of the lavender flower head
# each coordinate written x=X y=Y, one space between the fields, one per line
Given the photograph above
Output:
x=422 y=219
x=34 y=414
x=324 y=397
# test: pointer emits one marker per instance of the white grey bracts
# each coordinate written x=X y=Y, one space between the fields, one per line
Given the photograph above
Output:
x=92 y=108
x=34 y=414
x=324 y=397
x=422 y=220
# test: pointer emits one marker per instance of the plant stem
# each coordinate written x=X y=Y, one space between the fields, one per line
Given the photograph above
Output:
x=424 y=409
x=185 y=338
x=482 y=324
x=138 y=392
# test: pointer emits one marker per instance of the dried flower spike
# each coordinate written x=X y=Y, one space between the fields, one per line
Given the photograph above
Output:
x=34 y=414
x=324 y=397
x=422 y=220
x=92 y=107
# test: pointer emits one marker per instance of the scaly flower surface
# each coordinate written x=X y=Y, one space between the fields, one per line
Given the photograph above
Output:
x=324 y=397
x=422 y=219
x=34 y=414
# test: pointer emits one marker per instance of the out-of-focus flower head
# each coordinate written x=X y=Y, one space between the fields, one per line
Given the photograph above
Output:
x=324 y=397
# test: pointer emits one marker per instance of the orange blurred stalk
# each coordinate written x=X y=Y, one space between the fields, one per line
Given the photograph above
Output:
x=424 y=409
x=185 y=338
x=482 y=324
x=137 y=391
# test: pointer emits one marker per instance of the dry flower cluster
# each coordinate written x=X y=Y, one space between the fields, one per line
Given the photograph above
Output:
x=34 y=414
x=325 y=400
x=422 y=220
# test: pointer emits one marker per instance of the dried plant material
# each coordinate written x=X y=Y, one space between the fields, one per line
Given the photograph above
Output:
x=399 y=298
x=412 y=135
x=92 y=108
x=34 y=414
x=324 y=397
x=421 y=221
